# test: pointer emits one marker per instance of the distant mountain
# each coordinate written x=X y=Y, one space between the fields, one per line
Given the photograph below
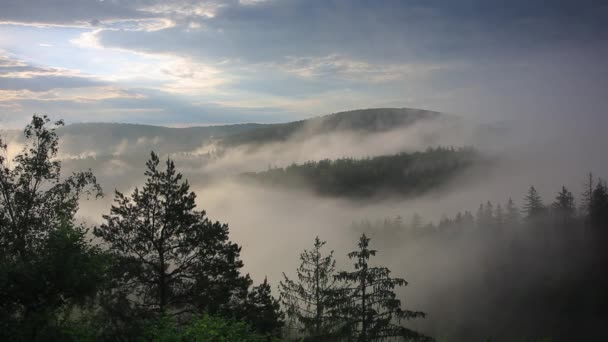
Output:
x=361 y=120
x=116 y=138
x=86 y=139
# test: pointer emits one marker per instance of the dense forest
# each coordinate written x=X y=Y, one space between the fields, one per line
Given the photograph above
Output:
x=540 y=273
x=159 y=269
x=405 y=174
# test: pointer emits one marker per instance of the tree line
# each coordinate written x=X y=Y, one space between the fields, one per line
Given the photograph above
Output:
x=159 y=269
x=540 y=264
x=405 y=174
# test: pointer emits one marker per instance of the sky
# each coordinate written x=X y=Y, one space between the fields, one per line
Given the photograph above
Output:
x=184 y=63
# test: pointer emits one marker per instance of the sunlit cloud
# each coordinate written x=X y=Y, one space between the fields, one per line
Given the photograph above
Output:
x=207 y=9
x=304 y=57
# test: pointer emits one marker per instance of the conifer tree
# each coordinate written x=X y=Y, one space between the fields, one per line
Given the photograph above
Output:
x=262 y=311
x=533 y=204
x=171 y=258
x=373 y=311
x=598 y=208
x=485 y=215
x=512 y=216
x=563 y=207
x=499 y=216
x=310 y=299
x=587 y=195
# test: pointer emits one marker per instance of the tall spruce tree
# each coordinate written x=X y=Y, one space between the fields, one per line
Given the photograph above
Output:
x=587 y=194
x=533 y=204
x=598 y=209
x=563 y=207
x=373 y=311
x=171 y=258
x=310 y=300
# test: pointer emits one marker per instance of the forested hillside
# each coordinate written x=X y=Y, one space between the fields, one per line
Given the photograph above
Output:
x=405 y=174
x=534 y=270
x=160 y=269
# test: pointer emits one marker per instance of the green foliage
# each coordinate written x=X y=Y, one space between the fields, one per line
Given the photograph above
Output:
x=372 y=309
x=167 y=262
x=205 y=328
x=170 y=256
x=46 y=265
x=262 y=311
x=309 y=300
x=405 y=174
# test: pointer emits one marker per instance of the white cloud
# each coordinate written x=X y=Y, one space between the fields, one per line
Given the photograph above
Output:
x=207 y=9
x=89 y=39
x=189 y=77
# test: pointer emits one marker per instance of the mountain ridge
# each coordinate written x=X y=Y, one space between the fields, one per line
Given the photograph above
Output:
x=113 y=138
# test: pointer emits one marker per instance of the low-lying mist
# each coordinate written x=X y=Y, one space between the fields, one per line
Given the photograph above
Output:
x=274 y=225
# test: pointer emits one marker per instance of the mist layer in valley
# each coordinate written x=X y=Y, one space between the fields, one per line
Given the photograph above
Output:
x=275 y=223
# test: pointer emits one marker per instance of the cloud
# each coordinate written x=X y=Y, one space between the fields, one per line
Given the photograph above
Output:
x=305 y=57
x=18 y=75
x=66 y=12
x=350 y=69
x=389 y=31
x=45 y=83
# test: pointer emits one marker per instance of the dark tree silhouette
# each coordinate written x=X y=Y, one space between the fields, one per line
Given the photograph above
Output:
x=45 y=263
x=598 y=215
x=172 y=258
x=533 y=204
x=563 y=207
x=404 y=173
x=262 y=311
x=373 y=310
x=587 y=194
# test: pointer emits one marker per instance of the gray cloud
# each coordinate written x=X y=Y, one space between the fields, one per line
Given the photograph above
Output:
x=381 y=31
x=17 y=75
x=45 y=83
x=303 y=57
x=66 y=12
